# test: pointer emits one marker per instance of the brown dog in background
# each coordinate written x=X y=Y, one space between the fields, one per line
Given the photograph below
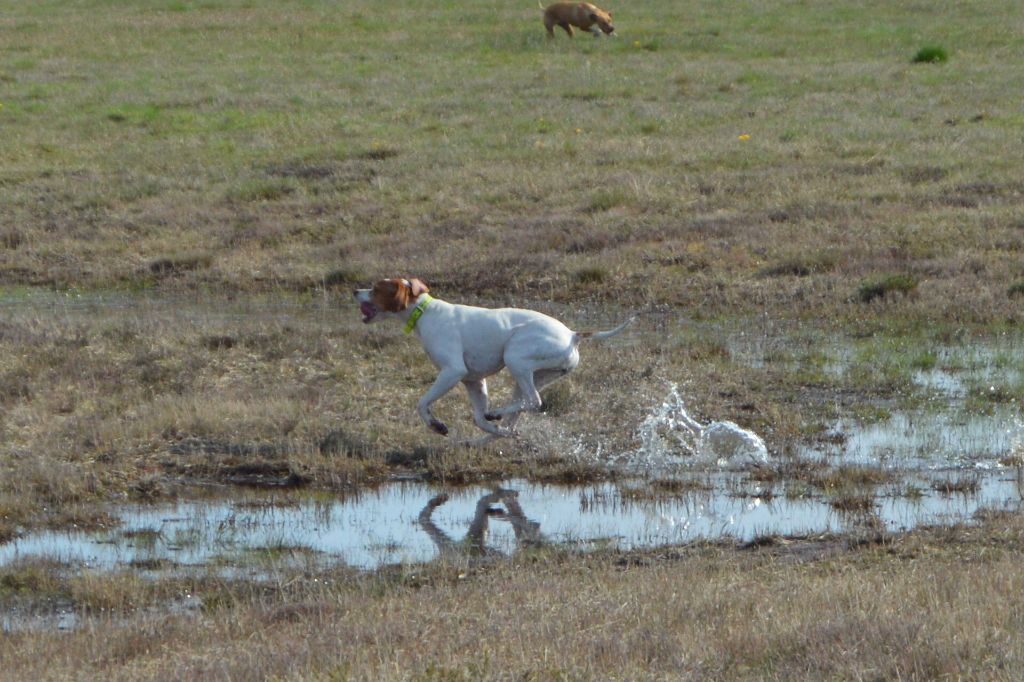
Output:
x=582 y=15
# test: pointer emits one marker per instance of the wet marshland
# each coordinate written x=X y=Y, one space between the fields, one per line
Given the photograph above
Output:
x=947 y=448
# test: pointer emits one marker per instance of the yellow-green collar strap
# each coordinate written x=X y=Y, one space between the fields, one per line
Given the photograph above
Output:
x=417 y=312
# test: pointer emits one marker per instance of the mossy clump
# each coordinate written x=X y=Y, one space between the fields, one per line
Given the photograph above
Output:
x=591 y=275
x=880 y=288
x=800 y=266
x=931 y=54
x=180 y=262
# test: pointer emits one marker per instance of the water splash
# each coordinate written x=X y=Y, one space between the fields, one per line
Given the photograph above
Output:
x=670 y=433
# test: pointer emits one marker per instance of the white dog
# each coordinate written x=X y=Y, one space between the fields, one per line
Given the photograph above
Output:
x=469 y=344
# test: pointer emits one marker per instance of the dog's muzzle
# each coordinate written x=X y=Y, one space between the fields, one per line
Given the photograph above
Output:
x=368 y=310
x=366 y=306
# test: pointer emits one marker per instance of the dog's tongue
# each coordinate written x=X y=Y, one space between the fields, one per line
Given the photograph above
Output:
x=368 y=310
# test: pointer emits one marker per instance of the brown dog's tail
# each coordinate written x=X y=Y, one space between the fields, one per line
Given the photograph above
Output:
x=580 y=336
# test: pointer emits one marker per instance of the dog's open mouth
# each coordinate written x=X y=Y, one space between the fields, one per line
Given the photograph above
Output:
x=368 y=310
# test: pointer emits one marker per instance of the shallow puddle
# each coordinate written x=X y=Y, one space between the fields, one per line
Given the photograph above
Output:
x=411 y=522
x=930 y=439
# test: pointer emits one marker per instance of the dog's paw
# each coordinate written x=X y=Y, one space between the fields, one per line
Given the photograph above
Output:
x=492 y=417
x=439 y=427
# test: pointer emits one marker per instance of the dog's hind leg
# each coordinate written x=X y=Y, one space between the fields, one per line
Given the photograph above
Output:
x=543 y=378
x=527 y=398
x=477 y=391
x=532 y=357
x=509 y=422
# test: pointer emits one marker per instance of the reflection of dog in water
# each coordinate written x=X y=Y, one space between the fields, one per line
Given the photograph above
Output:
x=527 y=532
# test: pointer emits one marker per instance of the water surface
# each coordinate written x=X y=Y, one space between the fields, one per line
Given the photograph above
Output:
x=415 y=522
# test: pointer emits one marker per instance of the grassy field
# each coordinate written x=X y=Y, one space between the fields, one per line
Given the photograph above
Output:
x=269 y=146
x=190 y=190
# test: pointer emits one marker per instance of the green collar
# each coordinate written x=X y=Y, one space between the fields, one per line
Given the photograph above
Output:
x=417 y=312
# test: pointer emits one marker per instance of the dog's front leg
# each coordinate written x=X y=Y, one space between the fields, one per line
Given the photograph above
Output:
x=445 y=382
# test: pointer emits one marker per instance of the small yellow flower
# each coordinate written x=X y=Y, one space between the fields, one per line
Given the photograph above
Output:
x=579 y=130
x=744 y=136
x=636 y=43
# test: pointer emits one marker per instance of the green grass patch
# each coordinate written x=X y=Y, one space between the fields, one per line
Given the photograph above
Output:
x=882 y=287
x=591 y=275
x=180 y=263
x=931 y=54
x=261 y=189
x=803 y=265
x=925 y=360
x=607 y=199
x=998 y=394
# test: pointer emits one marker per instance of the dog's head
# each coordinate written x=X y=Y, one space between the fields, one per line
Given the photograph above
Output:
x=388 y=296
x=602 y=19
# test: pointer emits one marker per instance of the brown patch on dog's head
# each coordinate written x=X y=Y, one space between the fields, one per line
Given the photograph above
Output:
x=395 y=295
x=389 y=295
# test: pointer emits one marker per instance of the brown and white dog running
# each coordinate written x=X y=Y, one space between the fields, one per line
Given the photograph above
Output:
x=468 y=344
x=582 y=15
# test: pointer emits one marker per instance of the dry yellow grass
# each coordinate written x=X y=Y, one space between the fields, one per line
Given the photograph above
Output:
x=930 y=605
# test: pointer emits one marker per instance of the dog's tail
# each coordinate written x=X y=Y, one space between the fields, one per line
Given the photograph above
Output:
x=580 y=336
x=541 y=5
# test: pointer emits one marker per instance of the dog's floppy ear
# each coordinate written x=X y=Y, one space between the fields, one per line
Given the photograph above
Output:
x=417 y=287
